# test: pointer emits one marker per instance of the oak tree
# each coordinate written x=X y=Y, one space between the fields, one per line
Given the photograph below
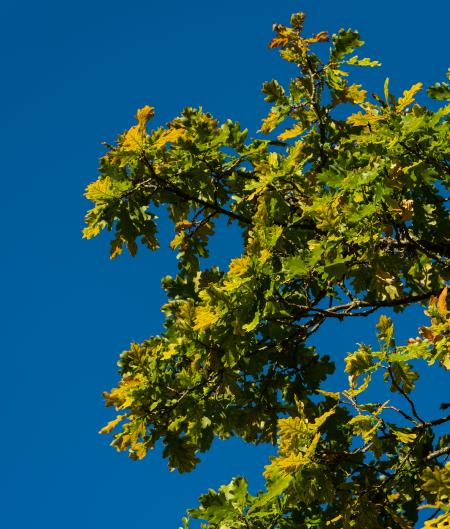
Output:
x=341 y=200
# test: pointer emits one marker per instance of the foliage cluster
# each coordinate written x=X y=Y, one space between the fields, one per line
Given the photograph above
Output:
x=342 y=213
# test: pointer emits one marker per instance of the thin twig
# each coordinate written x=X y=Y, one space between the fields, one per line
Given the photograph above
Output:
x=405 y=395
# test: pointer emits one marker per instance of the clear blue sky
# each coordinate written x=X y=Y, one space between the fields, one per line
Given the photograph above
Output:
x=74 y=74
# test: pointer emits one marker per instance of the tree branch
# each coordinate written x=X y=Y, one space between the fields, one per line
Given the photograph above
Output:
x=405 y=395
x=187 y=196
x=438 y=453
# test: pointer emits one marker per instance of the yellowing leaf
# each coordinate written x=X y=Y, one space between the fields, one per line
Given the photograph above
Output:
x=278 y=42
x=178 y=240
x=265 y=255
x=204 y=317
x=116 y=247
x=318 y=37
x=139 y=450
x=170 y=135
x=355 y=94
x=183 y=225
x=286 y=466
x=282 y=38
x=386 y=89
x=270 y=122
x=295 y=153
x=100 y=190
x=239 y=266
x=291 y=133
x=312 y=447
x=408 y=97
x=169 y=352
x=252 y=325
x=360 y=119
x=333 y=395
x=92 y=230
x=335 y=519
x=273 y=160
x=364 y=425
x=144 y=115
x=111 y=425
x=404 y=437
x=319 y=421
x=134 y=139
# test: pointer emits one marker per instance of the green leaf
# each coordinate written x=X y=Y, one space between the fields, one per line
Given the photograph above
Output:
x=296 y=266
x=359 y=362
x=344 y=42
x=355 y=61
x=274 y=92
x=403 y=375
x=436 y=481
x=440 y=91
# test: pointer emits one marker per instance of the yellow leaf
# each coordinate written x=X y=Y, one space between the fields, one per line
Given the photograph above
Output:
x=321 y=420
x=178 y=240
x=331 y=394
x=91 y=231
x=386 y=89
x=291 y=133
x=408 y=97
x=295 y=153
x=204 y=317
x=116 y=248
x=404 y=437
x=285 y=465
x=169 y=352
x=273 y=159
x=312 y=447
x=134 y=139
x=183 y=225
x=111 y=425
x=139 y=450
x=354 y=94
x=239 y=266
x=442 y=302
x=444 y=111
x=335 y=519
x=144 y=115
x=278 y=42
x=282 y=38
x=170 y=135
x=265 y=255
x=235 y=277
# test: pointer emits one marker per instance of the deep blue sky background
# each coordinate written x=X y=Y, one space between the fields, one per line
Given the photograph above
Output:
x=74 y=74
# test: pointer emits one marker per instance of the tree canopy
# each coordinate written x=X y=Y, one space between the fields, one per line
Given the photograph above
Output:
x=342 y=205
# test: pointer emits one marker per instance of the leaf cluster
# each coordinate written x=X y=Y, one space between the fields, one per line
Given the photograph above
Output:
x=342 y=210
